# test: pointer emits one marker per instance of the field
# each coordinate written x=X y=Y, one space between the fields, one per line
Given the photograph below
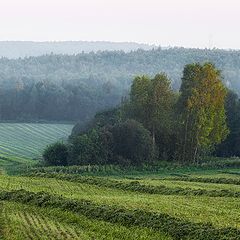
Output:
x=71 y=206
x=27 y=140
x=111 y=203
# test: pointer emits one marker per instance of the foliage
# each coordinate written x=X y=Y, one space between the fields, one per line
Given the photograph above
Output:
x=111 y=141
x=202 y=113
x=185 y=126
x=151 y=103
x=63 y=87
x=132 y=142
x=231 y=145
x=102 y=119
x=56 y=154
x=93 y=147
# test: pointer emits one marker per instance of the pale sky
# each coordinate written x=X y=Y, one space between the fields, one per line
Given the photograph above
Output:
x=188 y=23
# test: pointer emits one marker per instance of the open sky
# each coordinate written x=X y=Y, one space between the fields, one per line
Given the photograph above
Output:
x=188 y=23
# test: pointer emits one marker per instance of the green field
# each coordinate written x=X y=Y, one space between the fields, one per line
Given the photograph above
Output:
x=27 y=140
x=22 y=217
x=200 y=203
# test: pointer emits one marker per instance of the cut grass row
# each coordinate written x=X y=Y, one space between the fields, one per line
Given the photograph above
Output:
x=30 y=222
x=235 y=181
x=163 y=169
x=136 y=186
x=174 y=227
x=222 y=212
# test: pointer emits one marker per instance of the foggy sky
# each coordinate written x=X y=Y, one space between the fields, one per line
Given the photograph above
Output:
x=188 y=23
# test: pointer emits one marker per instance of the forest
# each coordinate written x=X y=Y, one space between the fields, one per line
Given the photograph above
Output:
x=157 y=123
x=143 y=161
x=76 y=87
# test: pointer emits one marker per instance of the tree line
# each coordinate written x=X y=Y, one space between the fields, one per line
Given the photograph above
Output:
x=156 y=122
x=64 y=87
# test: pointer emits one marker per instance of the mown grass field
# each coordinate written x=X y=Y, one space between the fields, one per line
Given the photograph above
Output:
x=107 y=203
x=27 y=140
x=26 y=219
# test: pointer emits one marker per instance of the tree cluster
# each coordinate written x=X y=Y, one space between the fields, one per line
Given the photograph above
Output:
x=126 y=143
x=156 y=122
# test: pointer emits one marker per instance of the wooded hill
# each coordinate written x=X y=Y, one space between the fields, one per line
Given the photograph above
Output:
x=21 y=49
x=75 y=87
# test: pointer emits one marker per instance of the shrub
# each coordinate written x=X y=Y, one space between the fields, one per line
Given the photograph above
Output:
x=56 y=154
x=132 y=142
x=94 y=147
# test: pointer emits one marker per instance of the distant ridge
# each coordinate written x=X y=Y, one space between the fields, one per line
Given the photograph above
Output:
x=21 y=49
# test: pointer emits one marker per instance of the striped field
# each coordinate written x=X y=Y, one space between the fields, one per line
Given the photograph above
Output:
x=27 y=140
x=105 y=211
x=78 y=202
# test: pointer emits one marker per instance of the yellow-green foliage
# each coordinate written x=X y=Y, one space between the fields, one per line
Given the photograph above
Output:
x=201 y=104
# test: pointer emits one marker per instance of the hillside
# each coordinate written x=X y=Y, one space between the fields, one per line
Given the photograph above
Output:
x=142 y=206
x=27 y=140
x=21 y=49
x=75 y=87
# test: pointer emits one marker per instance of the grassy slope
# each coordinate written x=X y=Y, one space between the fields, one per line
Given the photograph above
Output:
x=28 y=222
x=220 y=211
x=27 y=140
x=22 y=221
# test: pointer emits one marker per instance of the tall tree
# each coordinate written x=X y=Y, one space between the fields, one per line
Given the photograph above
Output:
x=231 y=145
x=151 y=103
x=139 y=100
x=201 y=104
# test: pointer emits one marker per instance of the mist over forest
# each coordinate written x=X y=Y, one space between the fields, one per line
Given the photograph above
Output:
x=75 y=87
x=21 y=49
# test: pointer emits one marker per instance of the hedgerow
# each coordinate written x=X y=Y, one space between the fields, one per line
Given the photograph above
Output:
x=231 y=172
x=135 y=186
x=160 y=167
x=86 y=169
x=205 y=180
x=174 y=227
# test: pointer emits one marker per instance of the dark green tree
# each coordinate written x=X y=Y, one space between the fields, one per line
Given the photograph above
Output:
x=56 y=154
x=132 y=143
x=93 y=147
x=151 y=103
x=231 y=145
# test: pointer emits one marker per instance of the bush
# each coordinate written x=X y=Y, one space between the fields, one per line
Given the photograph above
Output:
x=132 y=142
x=127 y=143
x=94 y=147
x=56 y=154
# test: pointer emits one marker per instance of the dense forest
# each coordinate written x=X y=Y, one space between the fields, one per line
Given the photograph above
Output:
x=75 y=87
x=155 y=122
